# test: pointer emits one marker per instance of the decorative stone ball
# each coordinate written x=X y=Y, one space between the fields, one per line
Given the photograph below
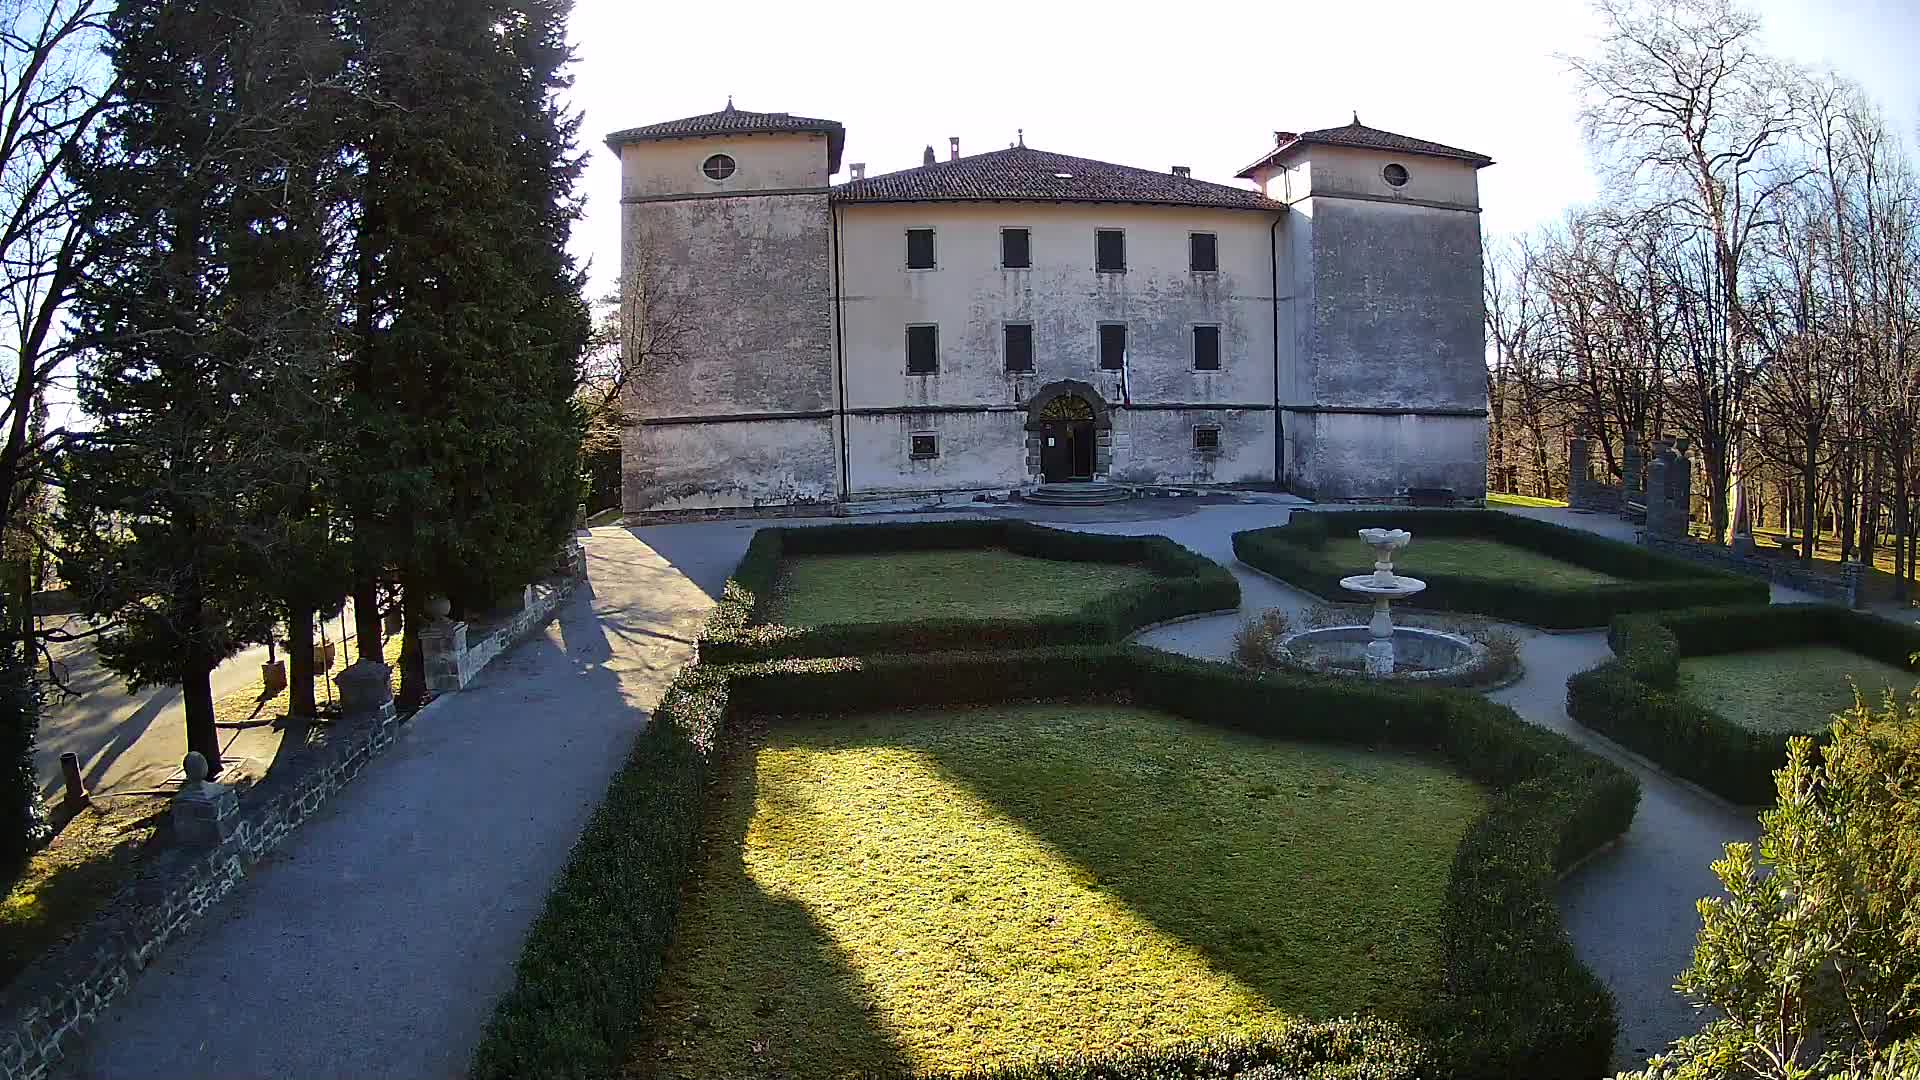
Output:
x=195 y=764
x=438 y=607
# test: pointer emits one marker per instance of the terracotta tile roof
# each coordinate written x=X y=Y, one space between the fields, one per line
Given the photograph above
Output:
x=1023 y=174
x=732 y=121
x=1363 y=137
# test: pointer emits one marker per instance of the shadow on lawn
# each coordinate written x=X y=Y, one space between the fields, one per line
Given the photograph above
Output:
x=754 y=987
x=1329 y=939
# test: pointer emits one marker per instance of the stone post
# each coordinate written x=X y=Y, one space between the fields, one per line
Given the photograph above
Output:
x=273 y=677
x=1851 y=574
x=443 y=645
x=366 y=691
x=203 y=812
x=1577 y=465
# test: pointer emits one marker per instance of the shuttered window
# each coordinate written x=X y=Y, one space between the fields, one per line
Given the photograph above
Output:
x=1203 y=252
x=1206 y=439
x=1110 y=251
x=923 y=350
x=1113 y=347
x=1019 y=342
x=1206 y=348
x=1016 y=249
x=919 y=249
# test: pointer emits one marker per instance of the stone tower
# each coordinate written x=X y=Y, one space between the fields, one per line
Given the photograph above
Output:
x=726 y=277
x=1387 y=388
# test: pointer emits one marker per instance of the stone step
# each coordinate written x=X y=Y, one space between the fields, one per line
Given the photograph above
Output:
x=1077 y=494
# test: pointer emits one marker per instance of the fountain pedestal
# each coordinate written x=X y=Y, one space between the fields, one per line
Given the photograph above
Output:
x=1384 y=586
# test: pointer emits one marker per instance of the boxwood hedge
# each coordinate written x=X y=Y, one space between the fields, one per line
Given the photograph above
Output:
x=1634 y=698
x=1516 y=1001
x=1295 y=553
x=1184 y=584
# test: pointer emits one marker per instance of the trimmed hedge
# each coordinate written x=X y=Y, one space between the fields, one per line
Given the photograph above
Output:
x=1184 y=584
x=1516 y=1000
x=1295 y=553
x=1634 y=699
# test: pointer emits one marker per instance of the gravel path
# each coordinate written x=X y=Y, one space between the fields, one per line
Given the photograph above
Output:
x=374 y=943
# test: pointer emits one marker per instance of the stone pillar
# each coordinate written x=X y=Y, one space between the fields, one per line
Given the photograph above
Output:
x=1851 y=574
x=203 y=812
x=443 y=646
x=1577 y=465
x=366 y=691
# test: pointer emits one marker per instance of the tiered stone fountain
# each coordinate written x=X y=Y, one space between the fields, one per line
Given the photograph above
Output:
x=1381 y=650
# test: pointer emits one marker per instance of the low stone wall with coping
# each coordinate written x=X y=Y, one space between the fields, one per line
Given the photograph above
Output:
x=68 y=988
x=1841 y=588
x=453 y=652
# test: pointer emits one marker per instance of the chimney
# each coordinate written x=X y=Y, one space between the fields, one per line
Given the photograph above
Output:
x=859 y=170
x=1183 y=171
x=927 y=158
x=1282 y=138
x=953 y=148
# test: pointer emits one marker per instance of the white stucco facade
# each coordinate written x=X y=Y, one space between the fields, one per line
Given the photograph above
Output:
x=1331 y=347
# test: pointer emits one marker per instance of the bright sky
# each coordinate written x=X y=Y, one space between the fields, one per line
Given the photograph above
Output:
x=1203 y=85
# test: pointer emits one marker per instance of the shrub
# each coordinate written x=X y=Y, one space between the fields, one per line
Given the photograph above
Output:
x=1809 y=961
x=1256 y=644
x=1184 y=584
x=1515 y=1001
x=1634 y=699
x=1294 y=553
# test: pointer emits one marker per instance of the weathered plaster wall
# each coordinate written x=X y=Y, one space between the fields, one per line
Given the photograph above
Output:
x=970 y=297
x=749 y=278
x=717 y=465
x=1361 y=456
x=982 y=450
x=1156 y=447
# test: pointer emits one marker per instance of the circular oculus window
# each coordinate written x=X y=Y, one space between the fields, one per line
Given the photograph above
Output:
x=1395 y=175
x=718 y=167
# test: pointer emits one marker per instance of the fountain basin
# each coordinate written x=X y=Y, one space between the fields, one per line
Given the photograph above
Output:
x=1419 y=655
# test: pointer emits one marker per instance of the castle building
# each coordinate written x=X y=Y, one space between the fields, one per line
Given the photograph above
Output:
x=1003 y=319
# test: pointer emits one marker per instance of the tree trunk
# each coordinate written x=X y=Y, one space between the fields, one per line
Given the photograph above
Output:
x=1810 y=480
x=1870 y=509
x=300 y=665
x=367 y=632
x=196 y=693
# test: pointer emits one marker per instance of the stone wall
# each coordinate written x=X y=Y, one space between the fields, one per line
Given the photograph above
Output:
x=1841 y=588
x=66 y=990
x=453 y=653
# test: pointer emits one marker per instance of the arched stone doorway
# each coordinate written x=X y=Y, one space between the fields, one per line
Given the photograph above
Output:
x=1069 y=433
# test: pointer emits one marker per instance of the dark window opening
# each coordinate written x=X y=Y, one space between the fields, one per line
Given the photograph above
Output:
x=1019 y=342
x=923 y=446
x=1203 y=251
x=1016 y=249
x=923 y=350
x=1206 y=438
x=1110 y=251
x=1206 y=348
x=1113 y=347
x=919 y=249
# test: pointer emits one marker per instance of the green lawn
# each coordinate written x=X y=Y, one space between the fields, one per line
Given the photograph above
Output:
x=1466 y=556
x=1501 y=499
x=1791 y=689
x=820 y=590
x=945 y=890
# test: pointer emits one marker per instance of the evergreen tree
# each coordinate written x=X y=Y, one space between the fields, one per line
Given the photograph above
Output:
x=175 y=510
x=470 y=320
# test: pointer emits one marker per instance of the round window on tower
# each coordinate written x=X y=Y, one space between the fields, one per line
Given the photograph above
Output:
x=720 y=166
x=1395 y=175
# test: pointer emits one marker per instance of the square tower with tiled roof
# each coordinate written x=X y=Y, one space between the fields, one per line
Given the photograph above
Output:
x=1387 y=389
x=727 y=293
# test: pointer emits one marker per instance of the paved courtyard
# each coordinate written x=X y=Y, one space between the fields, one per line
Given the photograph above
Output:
x=378 y=938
